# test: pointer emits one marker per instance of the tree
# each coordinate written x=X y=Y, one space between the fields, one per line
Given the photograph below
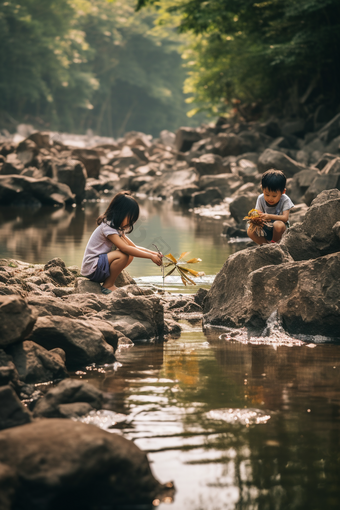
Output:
x=248 y=50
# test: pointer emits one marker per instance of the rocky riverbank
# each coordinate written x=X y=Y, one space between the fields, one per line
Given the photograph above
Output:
x=213 y=166
x=53 y=323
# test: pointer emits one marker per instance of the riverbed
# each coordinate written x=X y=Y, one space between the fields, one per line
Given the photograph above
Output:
x=236 y=424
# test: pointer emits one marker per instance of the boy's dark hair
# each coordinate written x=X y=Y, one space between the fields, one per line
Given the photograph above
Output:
x=122 y=206
x=273 y=180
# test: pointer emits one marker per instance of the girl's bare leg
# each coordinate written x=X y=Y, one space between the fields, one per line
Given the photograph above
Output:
x=278 y=230
x=257 y=239
x=118 y=261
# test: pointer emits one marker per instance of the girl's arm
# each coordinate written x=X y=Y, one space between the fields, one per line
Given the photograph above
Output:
x=125 y=247
x=128 y=241
x=276 y=217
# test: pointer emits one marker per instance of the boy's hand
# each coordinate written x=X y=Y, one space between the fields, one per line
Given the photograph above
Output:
x=264 y=216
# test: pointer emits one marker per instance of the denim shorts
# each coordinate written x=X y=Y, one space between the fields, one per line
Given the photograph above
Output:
x=102 y=271
x=269 y=230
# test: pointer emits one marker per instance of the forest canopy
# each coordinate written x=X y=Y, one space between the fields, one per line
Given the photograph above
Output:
x=73 y=65
x=278 y=52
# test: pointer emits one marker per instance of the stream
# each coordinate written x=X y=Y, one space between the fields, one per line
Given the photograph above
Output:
x=239 y=423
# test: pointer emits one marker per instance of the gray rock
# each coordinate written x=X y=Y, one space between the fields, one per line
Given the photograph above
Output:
x=241 y=205
x=16 y=318
x=12 y=165
x=320 y=183
x=82 y=342
x=55 y=459
x=27 y=151
x=231 y=145
x=167 y=138
x=90 y=160
x=35 y=364
x=21 y=190
x=206 y=197
x=331 y=129
x=73 y=173
x=41 y=139
x=279 y=161
x=183 y=194
x=336 y=229
x=226 y=302
x=69 y=391
x=305 y=294
x=8 y=485
x=332 y=167
x=12 y=412
x=226 y=183
x=185 y=138
x=208 y=164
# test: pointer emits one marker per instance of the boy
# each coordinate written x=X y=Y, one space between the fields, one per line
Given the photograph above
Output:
x=274 y=207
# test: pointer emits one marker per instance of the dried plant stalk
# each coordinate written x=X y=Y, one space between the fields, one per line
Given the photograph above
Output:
x=170 y=260
x=255 y=223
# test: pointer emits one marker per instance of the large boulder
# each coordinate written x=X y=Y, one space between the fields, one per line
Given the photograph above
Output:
x=82 y=342
x=305 y=294
x=226 y=302
x=12 y=165
x=21 y=190
x=62 y=463
x=27 y=152
x=208 y=164
x=241 y=205
x=16 y=318
x=320 y=183
x=73 y=173
x=90 y=160
x=231 y=145
x=12 y=411
x=69 y=391
x=207 y=197
x=227 y=183
x=137 y=316
x=185 y=138
x=315 y=236
x=41 y=139
x=330 y=130
x=35 y=364
x=279 y=161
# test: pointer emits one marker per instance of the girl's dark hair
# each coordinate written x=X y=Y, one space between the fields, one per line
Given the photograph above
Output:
x=122 y=206
x=273 y=180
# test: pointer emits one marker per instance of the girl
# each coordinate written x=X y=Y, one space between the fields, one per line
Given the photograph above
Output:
x=100 y=264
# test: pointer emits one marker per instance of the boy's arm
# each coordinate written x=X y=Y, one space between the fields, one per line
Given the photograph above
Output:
x=276 y=217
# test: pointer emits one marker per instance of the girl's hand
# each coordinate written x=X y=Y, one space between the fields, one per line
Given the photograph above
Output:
x=156 y=258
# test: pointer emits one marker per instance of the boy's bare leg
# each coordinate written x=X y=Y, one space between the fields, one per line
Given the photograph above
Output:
x=257 y=239
x=118 y=261
x=278 y=229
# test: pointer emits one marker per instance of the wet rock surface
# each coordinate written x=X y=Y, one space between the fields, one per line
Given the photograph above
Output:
x=54 y=460
x=196 y=167
x=298 y=278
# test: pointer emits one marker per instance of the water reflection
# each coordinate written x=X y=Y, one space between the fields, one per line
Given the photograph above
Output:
x=36 y=236
x=288 y=461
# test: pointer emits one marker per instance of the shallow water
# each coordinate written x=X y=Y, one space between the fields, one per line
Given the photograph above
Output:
x=38 y=236
x=234 y=425
x=236 y=422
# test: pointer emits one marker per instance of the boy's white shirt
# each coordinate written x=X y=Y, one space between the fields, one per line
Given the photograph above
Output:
x=283 y=204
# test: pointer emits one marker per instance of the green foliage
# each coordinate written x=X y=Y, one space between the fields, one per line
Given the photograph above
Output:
x=80 y=64
x=249 y=50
